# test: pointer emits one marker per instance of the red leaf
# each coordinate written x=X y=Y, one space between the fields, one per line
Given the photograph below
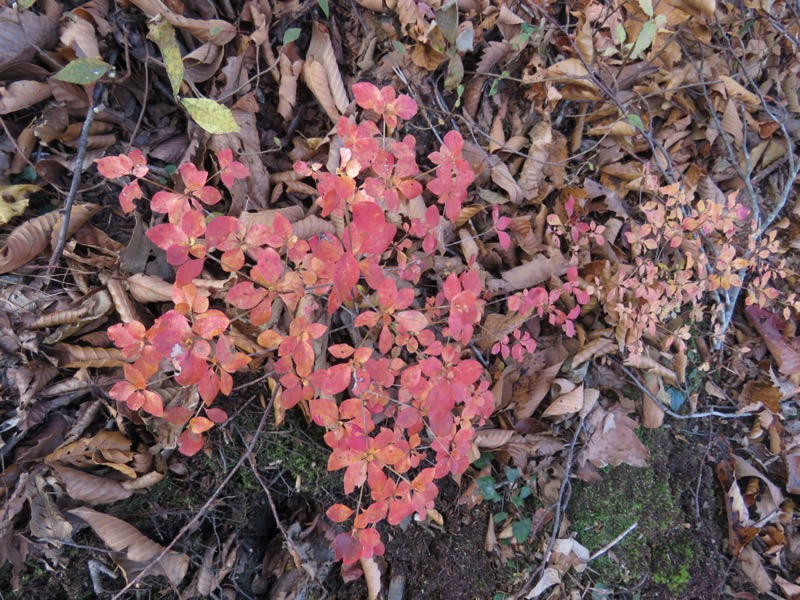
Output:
x=200 y=424
x=210 y=324
x=339 y=513
x=177 y=415
x=190 y=443
x=355 y=476
x=245 y=295
x=324 y=412
x=332 y=380
x=112 y=167
x=217 y=415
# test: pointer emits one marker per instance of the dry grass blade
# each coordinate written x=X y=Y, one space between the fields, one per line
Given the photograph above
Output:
x=120 y=536
x=28 y=240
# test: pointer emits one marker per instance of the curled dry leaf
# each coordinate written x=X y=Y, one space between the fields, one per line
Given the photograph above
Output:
x=566 y=404
x=310 y=226
x=650 y=364
x=372 y=575
x=215 y=31
x=28 y=240
x=321 y=50
x=539 y=269
x=46 y=520
x=316 y=80
x=490 y=439
x=594 y=349
x=122 y=537
x=71 y=356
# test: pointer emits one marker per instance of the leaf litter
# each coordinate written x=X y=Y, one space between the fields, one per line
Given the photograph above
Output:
x=577 y=131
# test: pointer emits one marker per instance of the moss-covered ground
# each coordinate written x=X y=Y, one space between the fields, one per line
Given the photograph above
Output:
x=670 y=554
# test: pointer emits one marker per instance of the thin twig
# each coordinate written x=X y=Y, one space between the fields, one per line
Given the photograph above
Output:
x=559 y=509
x=674 y=415
x=613 y=542
x=83 y=142
x=196 y=519
x=294 y=552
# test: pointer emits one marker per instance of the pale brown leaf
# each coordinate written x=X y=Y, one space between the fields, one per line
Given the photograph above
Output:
x=566 y=404
x=321 y=50
x=91 y=488
x=46 y=520
x=372 y=575
x=490 y=439
x=316 y=80
x=539 y=269
x=149 y=288
x=612 y=439
x=71 y=356
x=310 y=226
x=215 y=31
x=120 y=536
x=28 y=240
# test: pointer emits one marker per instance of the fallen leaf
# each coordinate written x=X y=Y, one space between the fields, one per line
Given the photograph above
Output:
x=120 y=536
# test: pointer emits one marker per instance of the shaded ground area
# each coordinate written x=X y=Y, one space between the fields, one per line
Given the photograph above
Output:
x=675 y=551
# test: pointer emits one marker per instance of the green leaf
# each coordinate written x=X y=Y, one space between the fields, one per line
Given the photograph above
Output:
x=646 y=37
x=512 y=475
x=25 y=4
x=163 y=35
x=83 y=71
x=521 y=530
x=525 y=492
x=210 y=115
x=291 y=35
x=647 y=7
x=399 y=47
x=323 y=4
x=517 y=501
x=486 y=487
x=636 y=121
x=500 y=517
x=676 y=398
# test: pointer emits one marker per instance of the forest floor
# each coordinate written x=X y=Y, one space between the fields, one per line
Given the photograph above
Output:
x=677 y=480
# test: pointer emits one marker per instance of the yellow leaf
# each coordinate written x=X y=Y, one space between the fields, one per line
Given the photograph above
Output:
x=14 y=200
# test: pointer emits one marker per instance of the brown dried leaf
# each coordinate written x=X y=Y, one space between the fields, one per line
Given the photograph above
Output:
x=81 y=452
x=46 y=520
x=91 y=488
x=312 y=225
x=321 y=50
x=149 y=288
x=539 y=269
x=120 y=536
x=751 y=565
x=316 y=80
x=287 y=92
x=28 y=240
x=491 y=439
x=771 y=326
x=612 y=439
x=215 y=31
x=566 y=404
x=71 y=356
x=594 y=349
x=23 y=34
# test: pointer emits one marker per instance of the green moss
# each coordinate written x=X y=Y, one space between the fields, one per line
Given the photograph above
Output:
x=659 y=548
